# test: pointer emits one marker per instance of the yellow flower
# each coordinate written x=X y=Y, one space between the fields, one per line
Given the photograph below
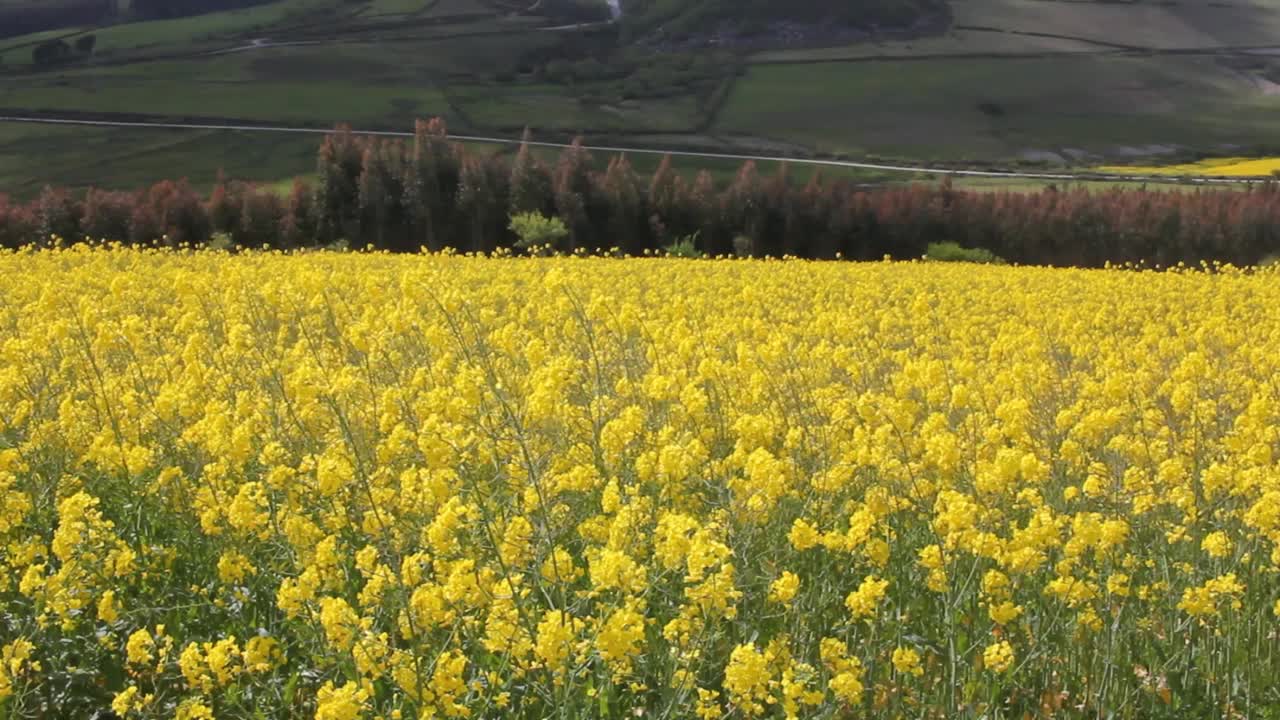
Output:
x=803 y=535
x=107 y=610
x=1004 y=612
x=747 y=679
x=559 y=567
x=343 y=703
x=194 y=710
x=1206 y=600
x=340 y=622
x=262 y=654
x=139 y=647
x=863 y=601
x=1216 y=544
x=15 y=659
x=234 y=567
x=619 y=640
x=557 y=634
x=907 y=661
x=784 y=588
x=615 y=570
x=998 y=657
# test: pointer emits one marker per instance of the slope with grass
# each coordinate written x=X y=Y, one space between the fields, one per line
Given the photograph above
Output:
x=1006 y=81
x=983 y=107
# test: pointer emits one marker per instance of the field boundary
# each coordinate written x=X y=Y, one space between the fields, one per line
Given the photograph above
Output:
x=9 y=116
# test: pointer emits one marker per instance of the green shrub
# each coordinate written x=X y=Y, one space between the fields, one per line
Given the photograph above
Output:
x=221 y=241
x=684 y=247
x=952 y=252
x=537 y=232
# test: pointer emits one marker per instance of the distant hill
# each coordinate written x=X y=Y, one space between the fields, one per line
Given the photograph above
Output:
x=679 y=19
x=165 y=9
x=1061 y=83
x=19 y=17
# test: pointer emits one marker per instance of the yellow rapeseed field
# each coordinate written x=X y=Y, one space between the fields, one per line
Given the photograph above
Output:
x=1215 y=167
x=340 y=486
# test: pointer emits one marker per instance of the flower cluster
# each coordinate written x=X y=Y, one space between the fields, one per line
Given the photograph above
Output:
x=373 y=486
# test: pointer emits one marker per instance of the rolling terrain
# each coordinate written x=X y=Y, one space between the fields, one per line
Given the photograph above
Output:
x=1049 y=84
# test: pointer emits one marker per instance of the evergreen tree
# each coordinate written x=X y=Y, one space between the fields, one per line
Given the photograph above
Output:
x=745 y=205
x=431 y=184
x=707 y=214
x=339 y=165
x=626 y=209
x=573 y=189
x=299 y=226
x=530 y=182
x=665 y=221
x=381 y=191
x=478 y=203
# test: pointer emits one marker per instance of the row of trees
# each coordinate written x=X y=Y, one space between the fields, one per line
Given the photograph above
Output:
x=434 y=193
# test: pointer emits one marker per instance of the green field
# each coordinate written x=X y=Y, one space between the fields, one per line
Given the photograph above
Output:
x=1000 y=108
x=130 y=158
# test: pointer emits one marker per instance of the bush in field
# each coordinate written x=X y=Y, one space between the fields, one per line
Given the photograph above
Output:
x=952 y=252
x=538 y=232
x=685 y=247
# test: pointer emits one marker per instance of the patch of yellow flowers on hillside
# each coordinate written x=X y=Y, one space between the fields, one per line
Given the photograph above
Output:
x=1213 y=167
x=370 y=486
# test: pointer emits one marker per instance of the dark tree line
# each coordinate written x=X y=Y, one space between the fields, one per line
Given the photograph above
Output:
x=433 y=193
x=49 y=14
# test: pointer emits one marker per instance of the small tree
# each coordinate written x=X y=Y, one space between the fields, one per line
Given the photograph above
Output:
x=299 y=224
x=59 y=214
x=537 y=232
x=50 y=52
x=572 y=188
x=531 y=190
x=106 y=215
x=85 y=45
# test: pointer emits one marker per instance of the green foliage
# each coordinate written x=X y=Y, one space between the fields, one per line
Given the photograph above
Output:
x=684 y=247
x=536 y=231
x=221 y=241
x=952 y=252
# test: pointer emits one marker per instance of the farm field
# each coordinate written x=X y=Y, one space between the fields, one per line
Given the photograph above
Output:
x=1145 y=83
x=129 y=158
x=340 y=485
x=998 y=107
x=1222 y=167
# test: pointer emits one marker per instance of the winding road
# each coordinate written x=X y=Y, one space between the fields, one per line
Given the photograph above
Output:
x=892 y=168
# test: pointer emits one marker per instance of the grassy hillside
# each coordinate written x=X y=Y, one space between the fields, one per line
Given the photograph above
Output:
x=682 y=18
x=996 y=81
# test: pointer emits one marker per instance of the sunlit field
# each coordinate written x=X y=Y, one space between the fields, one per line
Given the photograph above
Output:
x=1214 y=167
x=341 y=486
